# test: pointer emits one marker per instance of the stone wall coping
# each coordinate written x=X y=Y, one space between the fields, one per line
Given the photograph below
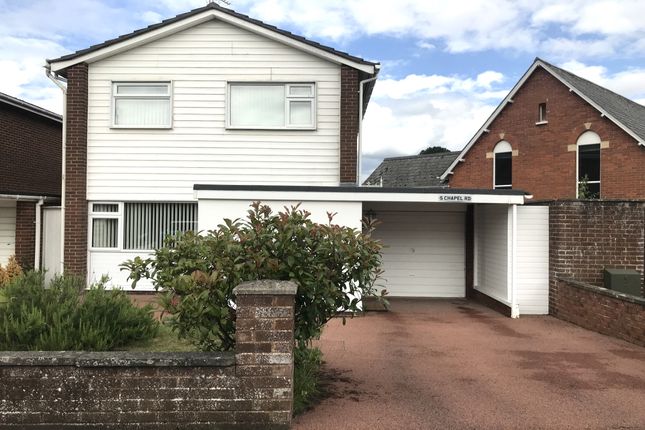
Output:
x=603 y=291
x=266 y=288
x=116 y=359
x=581 y=202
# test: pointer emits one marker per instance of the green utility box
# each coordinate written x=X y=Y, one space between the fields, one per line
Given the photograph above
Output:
x=626 y=281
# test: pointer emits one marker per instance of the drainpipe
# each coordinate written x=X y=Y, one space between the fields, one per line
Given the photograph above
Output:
x=58 y=81
x=361 y=87
x=39 y=207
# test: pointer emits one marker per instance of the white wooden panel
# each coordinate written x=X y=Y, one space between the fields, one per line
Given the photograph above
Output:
x=213 y=212
x=423 y=254
x=7 y=230
x=163 y=165
x=532 y=278
x=106 y=263
x=491 y=240
x=51 y=242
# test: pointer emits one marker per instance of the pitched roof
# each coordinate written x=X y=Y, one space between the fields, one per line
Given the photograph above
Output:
x=628 y=112
x=21 y=104
x=625 y=113
x=219 y=9
x=412 y=171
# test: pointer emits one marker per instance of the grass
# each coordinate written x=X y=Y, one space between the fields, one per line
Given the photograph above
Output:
x=165 y=341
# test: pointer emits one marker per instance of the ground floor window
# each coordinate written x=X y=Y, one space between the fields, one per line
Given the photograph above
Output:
x=139 y=225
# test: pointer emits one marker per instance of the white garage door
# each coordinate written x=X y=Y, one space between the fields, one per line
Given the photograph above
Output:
x=424 y=253
x=7 y=230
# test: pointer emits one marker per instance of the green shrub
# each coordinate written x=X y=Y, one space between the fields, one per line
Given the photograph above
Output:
x=306 y=389
x=332 y=266
x=37 y=317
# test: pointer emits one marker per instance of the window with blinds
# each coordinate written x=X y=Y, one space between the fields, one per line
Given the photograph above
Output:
x=141 y=105
x=146 y=225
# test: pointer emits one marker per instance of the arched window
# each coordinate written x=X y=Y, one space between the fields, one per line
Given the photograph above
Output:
x=503 y=165
x=588 y=184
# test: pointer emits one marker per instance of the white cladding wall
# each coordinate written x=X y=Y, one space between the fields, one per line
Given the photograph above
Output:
x=492 y=231
x=424 y=244
x=163 y=165
x=7 y=230
x=532 y=268
x=213 y=212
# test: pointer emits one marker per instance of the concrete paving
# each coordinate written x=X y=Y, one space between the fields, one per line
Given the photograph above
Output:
x=454 y=364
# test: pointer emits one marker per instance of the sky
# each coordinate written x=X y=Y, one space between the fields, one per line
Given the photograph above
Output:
x=446 y=65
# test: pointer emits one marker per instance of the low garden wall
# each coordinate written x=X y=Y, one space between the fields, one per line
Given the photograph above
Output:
x=599 y=309
x=250 y=388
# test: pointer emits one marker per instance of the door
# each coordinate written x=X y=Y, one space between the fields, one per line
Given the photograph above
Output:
x=51 y=242
x=7 y=230
x=423 y=254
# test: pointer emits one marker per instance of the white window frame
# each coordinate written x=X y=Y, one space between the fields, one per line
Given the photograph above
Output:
x=585 y=143
x=542 y=114
x=499 y=150
x=114 y=96
x=313 y=99
x=105 y=215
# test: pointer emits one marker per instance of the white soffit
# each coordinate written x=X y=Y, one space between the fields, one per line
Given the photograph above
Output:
x=200 y=18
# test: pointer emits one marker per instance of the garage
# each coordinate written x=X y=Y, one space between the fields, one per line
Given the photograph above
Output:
x=437 y=243
x=423 y=253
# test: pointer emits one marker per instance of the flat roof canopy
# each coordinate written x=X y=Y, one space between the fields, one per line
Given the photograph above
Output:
x=358 y=194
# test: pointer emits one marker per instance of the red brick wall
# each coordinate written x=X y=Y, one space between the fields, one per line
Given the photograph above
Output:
x=76 y=172
x=544 y=166
x=586 y=237
x=349 y=81
x=598 y=310
x=25 y=233
x=31 y=153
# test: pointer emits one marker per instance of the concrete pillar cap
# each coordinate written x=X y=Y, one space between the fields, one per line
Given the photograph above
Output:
x=266 y=288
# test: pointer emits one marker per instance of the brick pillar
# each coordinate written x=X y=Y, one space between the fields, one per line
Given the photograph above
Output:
x=349 y=81
x=25 y=233
x=76 y=171
x=264 y=346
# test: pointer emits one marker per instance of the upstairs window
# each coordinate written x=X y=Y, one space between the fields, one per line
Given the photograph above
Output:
x=542 y=114
x=141 y=105
x=503 y=166
x=271 y=106
x=588 y=184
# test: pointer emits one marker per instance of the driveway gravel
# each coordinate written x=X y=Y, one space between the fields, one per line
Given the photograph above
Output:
x=454 y=364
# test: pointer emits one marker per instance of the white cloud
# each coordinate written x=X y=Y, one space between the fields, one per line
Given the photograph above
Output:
x=628 y=83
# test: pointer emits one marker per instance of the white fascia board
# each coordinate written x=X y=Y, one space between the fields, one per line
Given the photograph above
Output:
x=207 y=15
x=300 y=196
x=484 y=128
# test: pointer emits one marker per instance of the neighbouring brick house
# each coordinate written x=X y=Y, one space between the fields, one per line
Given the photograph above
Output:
x=30 y=175
x=553 y=130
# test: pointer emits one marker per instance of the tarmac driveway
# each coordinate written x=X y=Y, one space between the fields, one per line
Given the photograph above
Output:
x=444 y=364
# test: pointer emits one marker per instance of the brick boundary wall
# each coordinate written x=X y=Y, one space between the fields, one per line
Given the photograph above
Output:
x=587 y=236
x=251 y=388
x=25 y=247
x=601 y=310
x=349 y=99
x=76 y=171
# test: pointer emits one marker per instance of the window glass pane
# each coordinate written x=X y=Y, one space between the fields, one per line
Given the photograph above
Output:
x=146 y=225
x=301 y=90
x=142 y=112
x=257 y=106
x=300 y=113
x=105 y=233
x=503 y=169
x=105 y=207
x=589 y=162
x=594 y=190
x=135 y=90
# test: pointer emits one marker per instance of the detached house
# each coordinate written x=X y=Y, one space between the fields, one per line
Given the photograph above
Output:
x=30 y=176
x=182 y=124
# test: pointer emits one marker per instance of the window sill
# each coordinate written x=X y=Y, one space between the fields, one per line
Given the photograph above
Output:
x=541 y=122
x=271 y=128
x=138 y=127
